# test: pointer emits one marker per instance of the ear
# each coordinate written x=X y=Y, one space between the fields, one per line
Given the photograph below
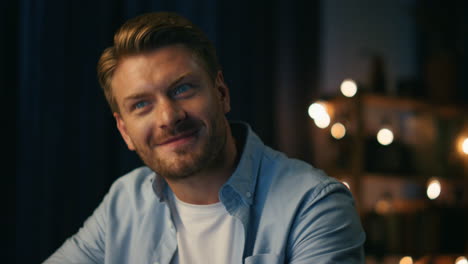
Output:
x=223 y=92
x=123 y=131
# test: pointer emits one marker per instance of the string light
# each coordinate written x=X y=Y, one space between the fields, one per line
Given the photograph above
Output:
x=318 y=112
x=461 y=260
x=322 y=121
x=433 y=189
x=385 y=136
x=338 y=130
x=316 y=109
x=465 y=146
x=348 y=88
x=406 y=260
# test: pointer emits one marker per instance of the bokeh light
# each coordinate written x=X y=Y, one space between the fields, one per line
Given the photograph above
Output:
x=465 y=146
x=406 y=260
x=348 y=88
x=322 y=121
x=316 y=109
x=318 y=112
x=461 y=260
x=385 y=136
x=383 y=206
x=338 y=130
x=433 y=189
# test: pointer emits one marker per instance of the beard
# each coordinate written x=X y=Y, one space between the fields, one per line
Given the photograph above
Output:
x=188 y=160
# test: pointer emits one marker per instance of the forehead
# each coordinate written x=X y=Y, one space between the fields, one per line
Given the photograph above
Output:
x=155 y=69
x=162 y=61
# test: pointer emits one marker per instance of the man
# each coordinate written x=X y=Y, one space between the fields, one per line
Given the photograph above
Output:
x=212 y=192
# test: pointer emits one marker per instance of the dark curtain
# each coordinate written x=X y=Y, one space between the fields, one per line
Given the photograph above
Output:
x=8 y=107
x=65 y=144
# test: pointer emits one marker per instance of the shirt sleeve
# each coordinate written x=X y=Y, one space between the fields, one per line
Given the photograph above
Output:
x=86 y=246
x=327 y=228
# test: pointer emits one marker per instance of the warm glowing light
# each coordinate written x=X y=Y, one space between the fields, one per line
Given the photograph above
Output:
x=385 y=136
x=318 y=113
x=433 y=189
x=346 y=184
x=338 y=130
x=461 y=260
x=348 y=88
x=316 y=110
x=406 y=260
x=383 y=207
x=323 y=120
x=465 y=146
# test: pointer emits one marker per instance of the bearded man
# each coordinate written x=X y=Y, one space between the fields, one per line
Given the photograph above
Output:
x=211 y=191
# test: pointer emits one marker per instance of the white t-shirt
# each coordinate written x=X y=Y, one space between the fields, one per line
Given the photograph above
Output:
x=206 y=234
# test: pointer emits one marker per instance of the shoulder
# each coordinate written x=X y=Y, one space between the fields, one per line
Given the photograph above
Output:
x=133 y=189
x=134 y=178
x=293 y=174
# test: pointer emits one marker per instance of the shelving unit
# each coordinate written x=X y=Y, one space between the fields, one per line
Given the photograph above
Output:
x=417 y=127
x=389 y=182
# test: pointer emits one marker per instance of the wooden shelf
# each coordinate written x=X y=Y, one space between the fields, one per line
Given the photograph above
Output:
x=402 y=104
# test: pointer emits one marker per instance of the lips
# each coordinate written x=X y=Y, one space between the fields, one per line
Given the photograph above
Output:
x=179 y=138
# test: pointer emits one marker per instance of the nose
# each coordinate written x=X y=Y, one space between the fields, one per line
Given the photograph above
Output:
x=170 y=113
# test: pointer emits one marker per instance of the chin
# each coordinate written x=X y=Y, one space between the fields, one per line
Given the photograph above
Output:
x=180 y=169
x=182 y=164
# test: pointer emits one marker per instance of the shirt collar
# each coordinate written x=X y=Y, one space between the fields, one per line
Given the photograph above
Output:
x=159 y=187
x=244 y=178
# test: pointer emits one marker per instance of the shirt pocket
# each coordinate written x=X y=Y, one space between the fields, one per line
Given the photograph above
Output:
x=264 y=259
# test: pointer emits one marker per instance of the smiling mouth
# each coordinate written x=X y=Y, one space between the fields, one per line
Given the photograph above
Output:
x=179 y=139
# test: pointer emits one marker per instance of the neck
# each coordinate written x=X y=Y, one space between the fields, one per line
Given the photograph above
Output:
x=203 y=187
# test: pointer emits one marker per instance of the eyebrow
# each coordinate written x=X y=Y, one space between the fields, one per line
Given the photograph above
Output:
x=143 y=94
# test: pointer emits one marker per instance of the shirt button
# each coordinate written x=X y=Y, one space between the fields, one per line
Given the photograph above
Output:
x=248 y=194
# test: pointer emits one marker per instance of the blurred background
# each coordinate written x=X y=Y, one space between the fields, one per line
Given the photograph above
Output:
x=373 y=92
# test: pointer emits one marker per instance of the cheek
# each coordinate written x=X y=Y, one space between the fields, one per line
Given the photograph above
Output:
x=209 y=107
x=198 y=108
x=141 y=132
x=210 y=114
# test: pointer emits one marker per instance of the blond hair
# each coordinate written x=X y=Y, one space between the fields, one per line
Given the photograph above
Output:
x=149 y=32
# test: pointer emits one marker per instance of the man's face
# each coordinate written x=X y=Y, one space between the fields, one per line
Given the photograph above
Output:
x=171 y=111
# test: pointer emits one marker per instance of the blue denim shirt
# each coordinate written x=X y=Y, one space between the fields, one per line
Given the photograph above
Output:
x=291 y=213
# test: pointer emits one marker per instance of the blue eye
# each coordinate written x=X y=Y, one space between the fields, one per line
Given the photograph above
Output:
x=140 y=104
x=181 y=89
